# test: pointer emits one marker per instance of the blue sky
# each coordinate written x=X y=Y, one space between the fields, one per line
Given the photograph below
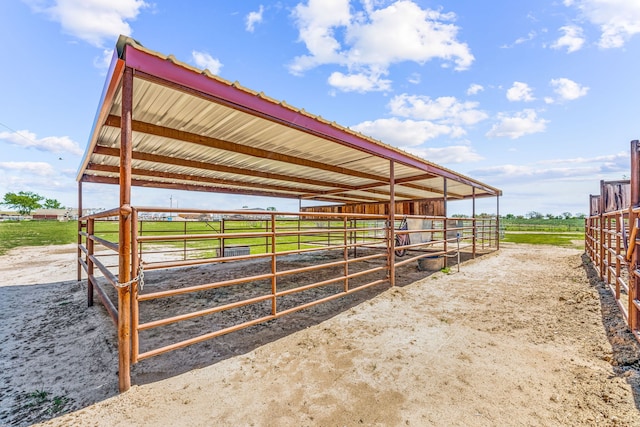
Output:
x=538 y=98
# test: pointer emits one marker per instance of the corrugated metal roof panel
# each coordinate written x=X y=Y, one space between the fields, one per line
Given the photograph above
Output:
x=183 y=133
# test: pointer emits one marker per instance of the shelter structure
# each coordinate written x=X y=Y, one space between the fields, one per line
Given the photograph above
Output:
x=161 y=123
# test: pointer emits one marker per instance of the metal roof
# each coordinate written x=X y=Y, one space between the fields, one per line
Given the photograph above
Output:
x=196 y=131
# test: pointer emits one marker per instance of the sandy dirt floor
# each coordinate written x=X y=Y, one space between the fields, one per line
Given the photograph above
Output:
x=526 y=336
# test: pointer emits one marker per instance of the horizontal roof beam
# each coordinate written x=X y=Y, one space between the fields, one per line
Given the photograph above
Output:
x=203 y=188
x=219 y=144
x=195 y=179
x=156 y=158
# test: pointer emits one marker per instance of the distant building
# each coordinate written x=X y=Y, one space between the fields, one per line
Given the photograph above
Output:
x=66 y=214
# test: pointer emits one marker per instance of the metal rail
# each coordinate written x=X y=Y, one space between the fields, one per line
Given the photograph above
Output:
x=360 y=244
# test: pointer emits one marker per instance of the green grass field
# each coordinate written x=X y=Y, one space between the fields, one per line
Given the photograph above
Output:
x=546 y=238
x=39 y=233
x=14 y=234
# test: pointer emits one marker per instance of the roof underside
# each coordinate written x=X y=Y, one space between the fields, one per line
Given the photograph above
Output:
x=194 y=131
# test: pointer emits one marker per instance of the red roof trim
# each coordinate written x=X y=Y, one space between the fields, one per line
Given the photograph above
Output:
x=241 y=99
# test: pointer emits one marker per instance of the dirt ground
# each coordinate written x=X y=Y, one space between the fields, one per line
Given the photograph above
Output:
x=526 y=336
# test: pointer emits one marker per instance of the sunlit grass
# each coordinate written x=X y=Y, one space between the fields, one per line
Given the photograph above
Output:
x=557 y=239
x=14 y=234
x=40 y=233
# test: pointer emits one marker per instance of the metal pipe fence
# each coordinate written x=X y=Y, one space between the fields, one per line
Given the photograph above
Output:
x=291 y=261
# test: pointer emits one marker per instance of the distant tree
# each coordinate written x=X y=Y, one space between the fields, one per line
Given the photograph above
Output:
x=550 y=216
x=271 y=208
x=534 y=215
x=52 y=204
x=567 y=215
x=24 y=201
x=580 y=216
x=510 y=216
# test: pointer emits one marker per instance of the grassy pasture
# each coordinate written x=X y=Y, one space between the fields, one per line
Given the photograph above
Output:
x=546 y=238
x=14 y=234
x=558 y=232
x=40 y=233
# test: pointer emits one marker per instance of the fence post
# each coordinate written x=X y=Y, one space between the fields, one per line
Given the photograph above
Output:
x=79 y=236
x=124 y=240
x=135 y=270
x=634 y=295
x=601 y=233
x=274 y=265
x=90 y=250
x=346 y=239
x=391 y=221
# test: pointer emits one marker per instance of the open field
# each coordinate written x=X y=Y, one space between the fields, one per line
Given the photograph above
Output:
x=14 y=234
x=525 y=336
x=567 y=239
x=38 y=233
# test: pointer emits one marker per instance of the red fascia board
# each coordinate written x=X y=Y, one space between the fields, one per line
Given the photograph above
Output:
x=167 y=70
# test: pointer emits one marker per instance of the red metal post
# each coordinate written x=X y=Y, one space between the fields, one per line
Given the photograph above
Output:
x=90 y=266
x=124 y=246
x=135 y=269
x=78 y=265
x=445 y=225
x=601 y=234
x=473 y=216
x=498 y=221
x=391 y=235
x=274 y=265
x=634 y=285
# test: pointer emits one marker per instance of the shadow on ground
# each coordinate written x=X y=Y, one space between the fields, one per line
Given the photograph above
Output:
x=626 y=349
x=57 y=355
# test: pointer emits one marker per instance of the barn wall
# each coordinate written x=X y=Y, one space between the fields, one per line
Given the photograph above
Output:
x=413 y=207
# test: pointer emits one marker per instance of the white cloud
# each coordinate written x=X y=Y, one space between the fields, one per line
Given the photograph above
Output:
x=522 y=123
x=415 y=78
x=103 y=61
x=316 y=23
x=530 y=36
x=571 y=169
x=36 y=168
x=405 y=133
x=444 y=155
x=520 y=92
x=445 y=109
x=254 y=18
x=618 y=20
x=54 y=144
x=205 y=60
x=359 y=82
x=419 y=119
x=573 y=39
x=373 y=39
x=568 y=90
x=610 y=162
x=94 y=21
x=474 y=89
